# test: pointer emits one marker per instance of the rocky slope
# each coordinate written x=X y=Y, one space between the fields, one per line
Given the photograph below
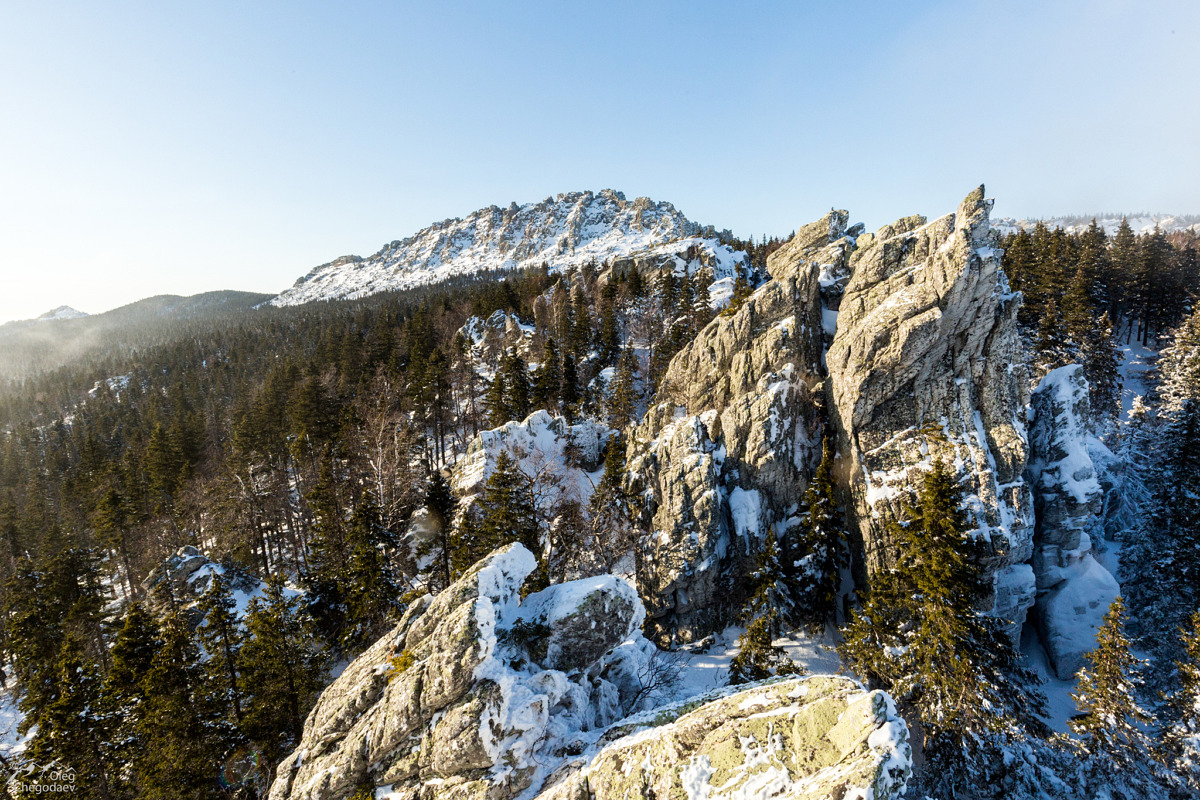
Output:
x=1074 y=589
x=723 y=459
x=923 y=361
x=478 y=693
x=564 y=231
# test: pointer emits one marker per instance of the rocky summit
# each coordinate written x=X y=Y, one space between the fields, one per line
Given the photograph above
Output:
x=571 y=229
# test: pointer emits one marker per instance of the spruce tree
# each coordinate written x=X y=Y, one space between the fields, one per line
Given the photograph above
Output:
x=622 y=393
x=181 y=722
x=517 y=386
x=920 y=634
x=496 y=396
x=442 y=504
x=221 y=635
x=549 y=379
x=820 y=548
x=508 y=512
x=758 y=657
x=1181 y=734
x=133 y=652
x=1101 y=367
x=282 y=673
x=371 y=585
x=609 y=339
x=1109 y=721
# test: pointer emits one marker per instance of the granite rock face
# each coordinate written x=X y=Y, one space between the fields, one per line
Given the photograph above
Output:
x=926 y=363
x=725 y=456
x=812 y=738
x=472 y=690
x=1074 y=589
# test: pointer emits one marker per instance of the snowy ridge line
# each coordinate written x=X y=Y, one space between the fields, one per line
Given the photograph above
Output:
x=569 y=230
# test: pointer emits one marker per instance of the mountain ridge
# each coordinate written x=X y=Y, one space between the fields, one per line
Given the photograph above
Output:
x=565 y=230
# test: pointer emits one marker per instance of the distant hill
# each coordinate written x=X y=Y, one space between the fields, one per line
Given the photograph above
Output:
x=1139 y=222
x=29 y=347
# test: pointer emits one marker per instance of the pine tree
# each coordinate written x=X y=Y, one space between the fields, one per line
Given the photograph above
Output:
x=920 y=634
x=1181 y=736
x=1109 y=719
x=820 y=547
x=281 y=672
x=221 y=635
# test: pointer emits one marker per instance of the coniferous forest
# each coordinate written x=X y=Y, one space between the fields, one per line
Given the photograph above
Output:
x=309 y=456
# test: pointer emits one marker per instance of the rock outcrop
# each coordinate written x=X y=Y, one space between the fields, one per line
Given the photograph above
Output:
x=1074 y=590
x=490 y=338
x=478 y=693
x=812 y=738
x=187 y=574
x=926 y=363
x=474 y=691
x=725 y=456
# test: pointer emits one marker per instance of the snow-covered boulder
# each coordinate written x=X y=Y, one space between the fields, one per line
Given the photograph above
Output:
x=462 y=693
x=546 y=447
x=811 y=738
x=1074 y=590
x=188 y=574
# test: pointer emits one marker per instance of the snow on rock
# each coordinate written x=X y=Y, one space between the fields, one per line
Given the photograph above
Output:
x=491 y=337
x=569 y=230
x=1074 y=590
x=816 y=737
x=476 y=688
x=189 y=574
x=926 y=363
x=563 y=460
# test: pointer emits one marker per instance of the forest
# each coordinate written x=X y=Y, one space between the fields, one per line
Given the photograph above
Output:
x=297 y=448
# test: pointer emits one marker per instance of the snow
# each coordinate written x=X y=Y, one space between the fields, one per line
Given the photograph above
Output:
x=1136 y=369
x=1074 y=472
x=539 y=445
x=562 y=600
x=1074 y=610
x=564 y=232
x=720 y=293
x=11 y=742
x=745 y=507
x=1139 y=223
x=62 y=312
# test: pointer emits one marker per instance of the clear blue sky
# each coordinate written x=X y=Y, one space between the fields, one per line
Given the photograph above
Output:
x=159 y=147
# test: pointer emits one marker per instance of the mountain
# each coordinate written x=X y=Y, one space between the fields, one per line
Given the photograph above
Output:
x=564 y=231
x=1074 y=223
x=62 y=312
x=38 y=345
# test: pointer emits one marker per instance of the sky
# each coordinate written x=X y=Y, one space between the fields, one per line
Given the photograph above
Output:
x=154 y=148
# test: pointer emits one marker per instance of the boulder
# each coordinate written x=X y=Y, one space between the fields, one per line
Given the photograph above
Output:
x=813 y=738
x=456 y=695
x=1074 y=590
x=927 y=363
x=187 y=574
